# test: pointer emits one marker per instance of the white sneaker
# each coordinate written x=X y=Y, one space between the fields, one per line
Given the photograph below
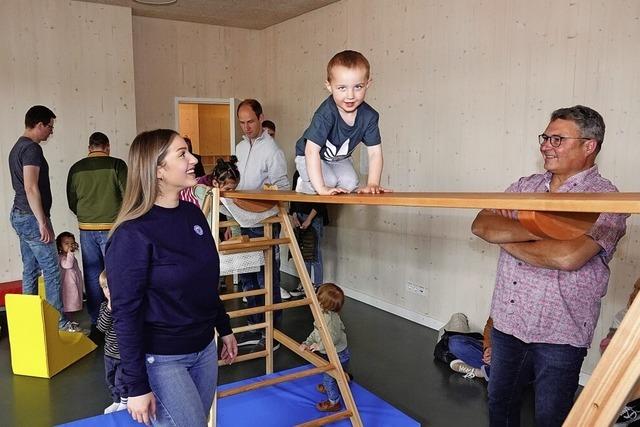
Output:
x=627 y=416
x=284 y=294
x=468 y=371
x=112 y=408
x=73 y=327
x=297 y=292
x=121 y=407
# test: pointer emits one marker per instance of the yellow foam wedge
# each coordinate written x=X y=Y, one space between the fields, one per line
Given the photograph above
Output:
x=38 y=348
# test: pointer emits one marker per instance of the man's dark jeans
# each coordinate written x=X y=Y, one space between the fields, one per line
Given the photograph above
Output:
x=252 y=281
x=555 y=369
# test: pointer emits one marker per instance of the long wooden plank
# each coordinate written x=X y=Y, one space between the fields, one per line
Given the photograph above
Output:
x=558 y=202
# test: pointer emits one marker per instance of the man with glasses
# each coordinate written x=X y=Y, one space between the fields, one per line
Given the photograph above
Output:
x=31 y=211
x=547 y=296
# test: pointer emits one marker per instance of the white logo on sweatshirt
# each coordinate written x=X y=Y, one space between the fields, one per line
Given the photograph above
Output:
x=198 y=230
x=332 y=152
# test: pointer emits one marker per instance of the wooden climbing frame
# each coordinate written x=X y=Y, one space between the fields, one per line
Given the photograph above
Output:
x=266 y=244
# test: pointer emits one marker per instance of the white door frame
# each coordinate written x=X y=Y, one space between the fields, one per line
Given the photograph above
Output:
x=231 y=102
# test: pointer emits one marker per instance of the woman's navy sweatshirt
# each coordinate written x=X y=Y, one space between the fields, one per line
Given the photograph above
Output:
x=163 y=271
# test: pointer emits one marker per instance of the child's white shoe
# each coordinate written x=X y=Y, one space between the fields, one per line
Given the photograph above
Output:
x=112 y=408
x=121 y=407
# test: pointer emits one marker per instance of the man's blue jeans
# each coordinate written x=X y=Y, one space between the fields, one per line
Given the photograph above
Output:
x=555 y=369
x=38 y=256
x=184 y=386
x=92 y=245
x=251 y=281
x=317 y=277
x=469 y=350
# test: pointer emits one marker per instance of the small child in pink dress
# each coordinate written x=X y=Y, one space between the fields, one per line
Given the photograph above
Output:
x=70 y=274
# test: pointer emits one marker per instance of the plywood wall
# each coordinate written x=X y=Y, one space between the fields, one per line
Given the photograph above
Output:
x=77 y=59
x=463 y=88
x=182 y=59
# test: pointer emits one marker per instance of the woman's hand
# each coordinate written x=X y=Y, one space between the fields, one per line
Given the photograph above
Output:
x=142 y=408
x=229 y=349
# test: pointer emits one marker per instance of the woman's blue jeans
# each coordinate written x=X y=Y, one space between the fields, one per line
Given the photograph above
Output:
x=184 y=386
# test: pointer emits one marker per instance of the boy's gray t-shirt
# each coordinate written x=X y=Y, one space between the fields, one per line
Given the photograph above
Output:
x=25 y=152
x=336 y=138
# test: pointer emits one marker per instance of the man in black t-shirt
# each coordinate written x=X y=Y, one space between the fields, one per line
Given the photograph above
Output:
x=31 y=211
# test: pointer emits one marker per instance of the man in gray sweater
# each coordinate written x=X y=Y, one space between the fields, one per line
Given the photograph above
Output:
x=260 y=162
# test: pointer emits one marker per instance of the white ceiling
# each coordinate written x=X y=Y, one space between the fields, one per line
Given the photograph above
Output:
x=251 y=14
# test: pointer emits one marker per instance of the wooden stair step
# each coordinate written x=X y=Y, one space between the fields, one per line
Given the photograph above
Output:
x=272 y=381
x=328 y=419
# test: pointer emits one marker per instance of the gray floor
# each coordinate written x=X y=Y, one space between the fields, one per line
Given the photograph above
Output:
x=391 y=357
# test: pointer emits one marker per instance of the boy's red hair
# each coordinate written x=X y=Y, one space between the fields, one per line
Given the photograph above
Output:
x=349 y=59
x=330 y=297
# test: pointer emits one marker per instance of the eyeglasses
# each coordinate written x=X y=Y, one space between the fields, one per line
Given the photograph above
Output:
x=50 y=126
x=555 y=140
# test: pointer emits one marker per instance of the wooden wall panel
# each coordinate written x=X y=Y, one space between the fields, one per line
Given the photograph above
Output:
x=76 y=58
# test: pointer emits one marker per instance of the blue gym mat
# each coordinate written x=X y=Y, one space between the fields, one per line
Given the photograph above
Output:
x=285 y=404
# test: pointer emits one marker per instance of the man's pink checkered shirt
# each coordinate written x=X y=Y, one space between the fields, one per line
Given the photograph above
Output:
x=540 y=305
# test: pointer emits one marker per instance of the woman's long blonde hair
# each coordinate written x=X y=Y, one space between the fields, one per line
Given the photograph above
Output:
x=147 y=152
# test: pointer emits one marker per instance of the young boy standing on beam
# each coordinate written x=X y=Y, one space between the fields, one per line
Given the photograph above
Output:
x=343 y=120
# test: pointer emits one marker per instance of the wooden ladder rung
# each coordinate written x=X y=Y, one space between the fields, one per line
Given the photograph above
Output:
x=230 y=223
x=245 y=357
x=251 y=327
x=255 y=244
x=265 y=308
x=273 y=381
x=236 y=295
x=328 y=419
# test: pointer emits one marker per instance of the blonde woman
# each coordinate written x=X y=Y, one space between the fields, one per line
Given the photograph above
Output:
x=163 y=271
